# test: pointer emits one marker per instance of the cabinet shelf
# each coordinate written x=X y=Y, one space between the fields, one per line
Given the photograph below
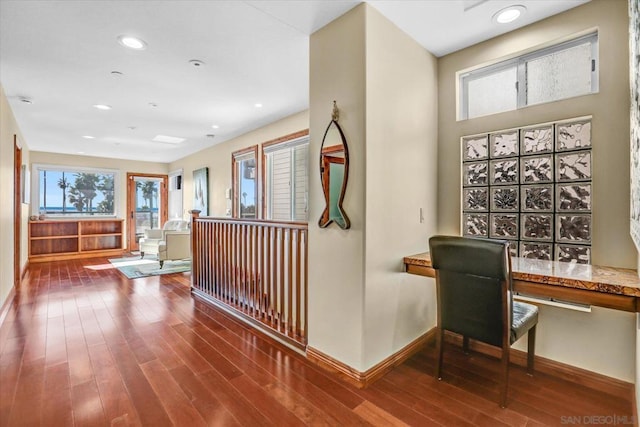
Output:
x=75 y=236
x=80 y=238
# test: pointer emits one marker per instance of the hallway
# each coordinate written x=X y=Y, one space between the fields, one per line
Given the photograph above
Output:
x=87 y=346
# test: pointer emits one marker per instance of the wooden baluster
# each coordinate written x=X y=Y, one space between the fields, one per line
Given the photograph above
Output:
x=290 y=283
x=274 y=276
x=246 y=259
x=210 y=263
x=195 y=270
x=251 y=273
x=297 y=282
x=281 y=300
x=305 y=285
x=216 y=257
x=267 y=271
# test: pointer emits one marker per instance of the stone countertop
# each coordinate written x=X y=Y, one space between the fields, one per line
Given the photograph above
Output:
x=612 y=280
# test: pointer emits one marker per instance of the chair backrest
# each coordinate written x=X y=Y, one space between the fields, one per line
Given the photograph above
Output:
x=473 y=278
x=176 y=225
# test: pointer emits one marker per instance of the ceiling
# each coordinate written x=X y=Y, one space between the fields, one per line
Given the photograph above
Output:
x=60 y=58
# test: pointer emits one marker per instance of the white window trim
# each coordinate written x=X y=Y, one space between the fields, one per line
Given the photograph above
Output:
x=520 y=61
x=35 y=186
x=290 y=144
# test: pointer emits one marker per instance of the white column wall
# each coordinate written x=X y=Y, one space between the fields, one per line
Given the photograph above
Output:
x=336 y=256
x=401 y=179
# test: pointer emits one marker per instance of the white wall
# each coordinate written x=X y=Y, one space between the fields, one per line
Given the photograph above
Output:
x=218 y=160
x=612 y=244
x=385 y=85
x=336 y=257
x=9 y=128
x=578 y=339
x=401 y=179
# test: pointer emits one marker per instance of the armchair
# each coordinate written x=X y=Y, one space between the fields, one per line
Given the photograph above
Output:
x=176 y=245
x=149 y=244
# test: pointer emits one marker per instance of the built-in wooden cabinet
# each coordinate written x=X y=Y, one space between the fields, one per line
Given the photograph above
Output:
x=51 y=240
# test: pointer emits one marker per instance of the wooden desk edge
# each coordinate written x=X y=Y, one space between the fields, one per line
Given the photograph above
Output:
x=561 y=293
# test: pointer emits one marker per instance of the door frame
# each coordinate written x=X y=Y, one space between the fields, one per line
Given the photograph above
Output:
x=132 y=245
x=17 y=211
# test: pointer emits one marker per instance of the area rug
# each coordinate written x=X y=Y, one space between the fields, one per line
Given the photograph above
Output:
x=134 y=267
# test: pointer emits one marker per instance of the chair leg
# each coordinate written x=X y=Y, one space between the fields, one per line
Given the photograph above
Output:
x=531 y=349
x=141 y=254
x=465 y=344
x=439 y=352
x=505 y=376
x=161 y=263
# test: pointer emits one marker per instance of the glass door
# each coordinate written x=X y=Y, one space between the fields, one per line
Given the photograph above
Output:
x=147 y=205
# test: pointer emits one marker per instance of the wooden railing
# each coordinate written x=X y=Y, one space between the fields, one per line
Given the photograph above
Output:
x=257 y=268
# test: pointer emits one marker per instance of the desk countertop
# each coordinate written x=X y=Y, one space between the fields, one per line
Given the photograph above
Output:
x=620 y=281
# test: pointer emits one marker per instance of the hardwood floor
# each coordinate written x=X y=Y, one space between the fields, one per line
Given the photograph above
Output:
x=85 y=346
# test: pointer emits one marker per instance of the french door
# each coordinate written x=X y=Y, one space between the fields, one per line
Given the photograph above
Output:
x=146 y=205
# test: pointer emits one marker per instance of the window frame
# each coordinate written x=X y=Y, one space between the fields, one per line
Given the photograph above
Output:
x=520 y=62
x=288 y=141
x=35 y=186
x=236 y=157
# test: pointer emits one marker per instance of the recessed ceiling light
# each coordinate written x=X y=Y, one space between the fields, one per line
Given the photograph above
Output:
x=117 y=73
x=25 y=100
x=168 y=139
x=257 y=105
x=215 y=126
x=196 y=63
x=509 y=14
x=88 y=137
x=210 y=135
x=132 y=42
x=102 y=107
x=153 y=105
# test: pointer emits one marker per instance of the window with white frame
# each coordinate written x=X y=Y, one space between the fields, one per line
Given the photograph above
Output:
x=71 y=191
x=287 y=180
x=557 y=72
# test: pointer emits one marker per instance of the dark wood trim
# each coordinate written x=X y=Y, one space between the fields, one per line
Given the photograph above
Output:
x=17 y=210
x=566 y=372
x=368 y=377
x=333 y=149
x=281 y=140
x=163 y=209
x=289 y=137
x=554 y=368
x=420 y=270
x=234 y=178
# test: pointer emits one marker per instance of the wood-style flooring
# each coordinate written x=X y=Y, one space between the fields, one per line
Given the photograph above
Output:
x=84 y=346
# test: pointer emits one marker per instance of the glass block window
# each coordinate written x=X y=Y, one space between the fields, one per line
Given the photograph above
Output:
x=532 y=187
x=557 y=72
